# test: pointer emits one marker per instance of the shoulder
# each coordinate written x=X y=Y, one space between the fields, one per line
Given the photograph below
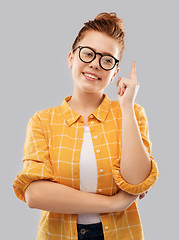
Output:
x=47 y=114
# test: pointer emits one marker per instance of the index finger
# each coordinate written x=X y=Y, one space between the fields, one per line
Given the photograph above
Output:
x=133 y=71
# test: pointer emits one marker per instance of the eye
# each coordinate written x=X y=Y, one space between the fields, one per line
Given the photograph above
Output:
x=88 y=53
x=107 y=60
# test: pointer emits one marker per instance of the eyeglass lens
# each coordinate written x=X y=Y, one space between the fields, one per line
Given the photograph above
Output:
x=87 y=55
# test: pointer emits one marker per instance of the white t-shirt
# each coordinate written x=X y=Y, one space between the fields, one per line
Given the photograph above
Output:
x=88 y=175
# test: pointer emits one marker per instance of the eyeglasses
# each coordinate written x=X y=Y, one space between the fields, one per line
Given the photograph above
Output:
x=87 y=55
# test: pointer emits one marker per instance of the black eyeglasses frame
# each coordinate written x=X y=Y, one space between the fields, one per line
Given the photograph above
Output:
x=95 y=53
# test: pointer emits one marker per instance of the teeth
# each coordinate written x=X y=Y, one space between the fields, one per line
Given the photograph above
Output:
x=91 y=76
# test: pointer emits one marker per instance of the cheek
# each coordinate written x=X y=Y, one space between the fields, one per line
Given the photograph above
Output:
x=77 y=67
x=108 y=76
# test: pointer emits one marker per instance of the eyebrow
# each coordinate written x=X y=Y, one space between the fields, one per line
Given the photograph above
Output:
x=104 y=53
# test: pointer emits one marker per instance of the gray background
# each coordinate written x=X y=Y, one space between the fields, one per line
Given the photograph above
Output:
x=36 y=37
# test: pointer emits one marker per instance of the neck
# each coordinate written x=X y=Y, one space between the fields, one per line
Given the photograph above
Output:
x=86 y=101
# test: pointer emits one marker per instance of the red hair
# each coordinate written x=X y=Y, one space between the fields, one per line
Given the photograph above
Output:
x=107 y=23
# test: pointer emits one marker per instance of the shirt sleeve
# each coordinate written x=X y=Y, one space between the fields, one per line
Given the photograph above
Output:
x=153 y=176
x=36 y=158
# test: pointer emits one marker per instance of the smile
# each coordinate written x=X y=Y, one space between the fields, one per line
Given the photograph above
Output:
x=90 y=76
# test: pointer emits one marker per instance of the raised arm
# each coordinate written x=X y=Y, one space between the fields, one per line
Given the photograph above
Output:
x=54 y=197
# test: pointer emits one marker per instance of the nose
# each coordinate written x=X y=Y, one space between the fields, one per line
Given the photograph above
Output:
x=95 y=63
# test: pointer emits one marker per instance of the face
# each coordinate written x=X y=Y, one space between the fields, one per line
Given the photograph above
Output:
x=90 y=77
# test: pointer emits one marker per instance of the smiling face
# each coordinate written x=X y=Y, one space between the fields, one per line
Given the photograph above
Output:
x=90 y=77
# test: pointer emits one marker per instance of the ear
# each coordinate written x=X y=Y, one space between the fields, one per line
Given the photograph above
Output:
x=115 y=73
x=70 y=59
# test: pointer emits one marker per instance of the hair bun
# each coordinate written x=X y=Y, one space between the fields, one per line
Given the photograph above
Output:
x=111 y=17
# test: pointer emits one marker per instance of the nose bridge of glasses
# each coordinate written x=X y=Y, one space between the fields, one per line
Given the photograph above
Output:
x=100 y=54
x=97 y=59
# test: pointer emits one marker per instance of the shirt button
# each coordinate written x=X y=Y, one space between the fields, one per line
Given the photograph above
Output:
x=92 y=122
x=101 y=170
x=106 y=227
x=99 y=190
x=98 y=150
x=95 y=137
x=91 y=116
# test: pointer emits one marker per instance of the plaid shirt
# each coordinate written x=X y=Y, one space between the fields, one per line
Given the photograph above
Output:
x=52 y=151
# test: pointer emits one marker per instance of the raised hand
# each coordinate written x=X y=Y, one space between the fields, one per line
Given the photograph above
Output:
x=127 y=88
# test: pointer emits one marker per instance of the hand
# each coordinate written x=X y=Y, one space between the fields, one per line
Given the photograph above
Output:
x=128 y=88
x=121 y=201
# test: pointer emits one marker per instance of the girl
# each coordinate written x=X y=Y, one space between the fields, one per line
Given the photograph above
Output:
x=87 y=160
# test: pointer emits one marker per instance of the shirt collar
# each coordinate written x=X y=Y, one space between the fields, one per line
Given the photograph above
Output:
x=100 y=113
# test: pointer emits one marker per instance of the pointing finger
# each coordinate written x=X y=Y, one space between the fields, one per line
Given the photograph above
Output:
x=133 y=71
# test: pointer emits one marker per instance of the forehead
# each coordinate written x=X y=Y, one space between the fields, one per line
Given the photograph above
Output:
x=100 y=42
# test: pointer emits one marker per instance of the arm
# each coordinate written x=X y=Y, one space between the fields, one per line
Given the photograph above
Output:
x=54 y=197
x=135 y=163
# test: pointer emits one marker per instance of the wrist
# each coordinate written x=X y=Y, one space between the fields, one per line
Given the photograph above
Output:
x=128 y=109
x=127 y=106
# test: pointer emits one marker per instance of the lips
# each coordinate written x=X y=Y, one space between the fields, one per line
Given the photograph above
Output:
x=91 y=76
